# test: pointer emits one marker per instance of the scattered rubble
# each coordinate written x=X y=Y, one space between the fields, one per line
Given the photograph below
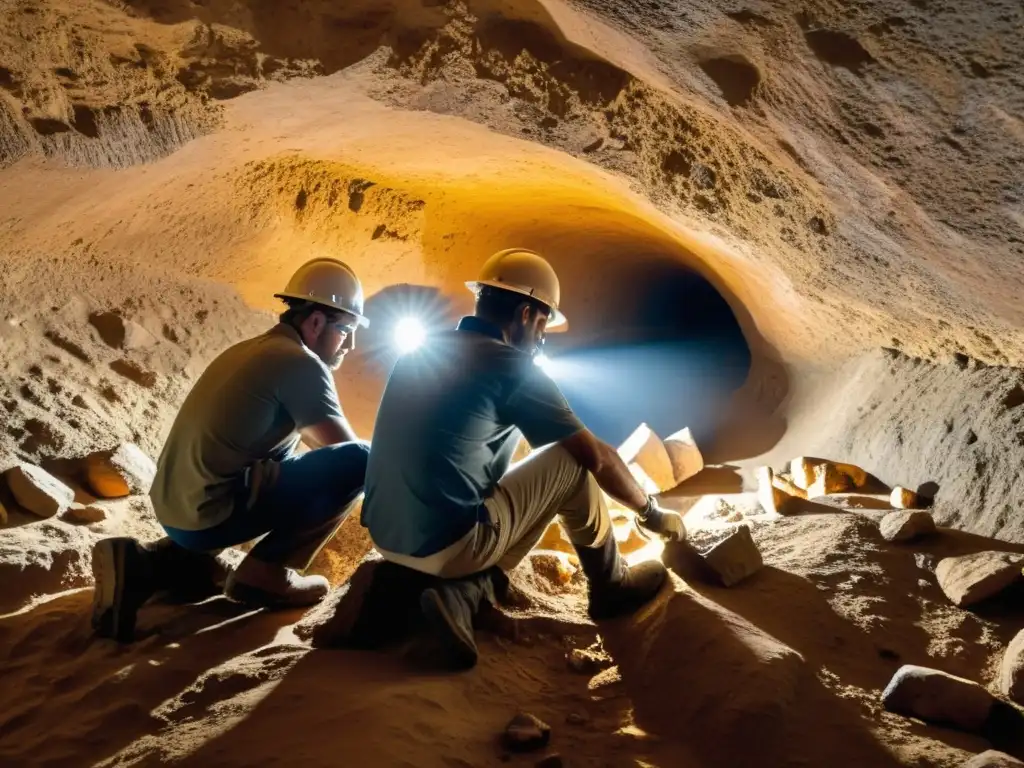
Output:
x=1011 y=671
x=124 y=471
x=938 y=697
x=992 y=759
x=904 y=498
x=970 y=579
x=525 y=733
x=552 y=567
x=86 y=513
x=684 y=455
x=735 y=558
x=648 y=460
x=906 y=525
x=38 y=491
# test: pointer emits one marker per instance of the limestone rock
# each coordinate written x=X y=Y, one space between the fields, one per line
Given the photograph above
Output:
x=969 y=579
x=38 y=491
x=992 y=759
x=1011 y=672
x=803 y=469
x=904 y=498
x=827 y=479
x=525 y=733
x=684 y=455
x=906 y=525
x=770 y=496
x=81 y=513
x=735 y=558
x=124 y=471
x=785 y=484
x=937 y=697
x=648 y=460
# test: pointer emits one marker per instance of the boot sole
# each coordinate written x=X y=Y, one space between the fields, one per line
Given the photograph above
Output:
x=254 y=597
x=108 y=615
x=460 y=648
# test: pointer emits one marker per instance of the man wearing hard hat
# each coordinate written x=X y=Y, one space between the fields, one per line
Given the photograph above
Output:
x=440 y=496
x=229 y=472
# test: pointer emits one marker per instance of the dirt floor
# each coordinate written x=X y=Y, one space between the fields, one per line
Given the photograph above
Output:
x=845 y=174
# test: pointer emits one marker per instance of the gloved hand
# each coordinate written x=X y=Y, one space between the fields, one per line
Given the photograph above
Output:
x=664 y=522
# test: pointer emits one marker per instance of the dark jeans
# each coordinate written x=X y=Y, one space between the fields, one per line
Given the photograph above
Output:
x=313 y=495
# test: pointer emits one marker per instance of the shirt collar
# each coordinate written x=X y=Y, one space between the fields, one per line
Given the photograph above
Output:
x=478 y=325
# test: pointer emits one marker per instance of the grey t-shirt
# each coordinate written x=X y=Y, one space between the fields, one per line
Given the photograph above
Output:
x=246 y=408
x=448 y=424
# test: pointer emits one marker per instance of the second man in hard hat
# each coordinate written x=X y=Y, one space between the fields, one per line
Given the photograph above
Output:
x=230 y=473
x=441 y=496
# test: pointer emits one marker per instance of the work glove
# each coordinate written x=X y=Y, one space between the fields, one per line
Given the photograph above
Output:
x=664 y=522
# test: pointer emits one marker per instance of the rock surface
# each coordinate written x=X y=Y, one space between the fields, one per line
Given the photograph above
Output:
x=1011 y=670
x=647 y=458
x=38 y=491
x=684 y=455
x=969 y=579
x=124 y=471
x=525 y=733
x=771 y=498
x=992 y=759
x=906 y=525
x=735 y=558
x=938 y=697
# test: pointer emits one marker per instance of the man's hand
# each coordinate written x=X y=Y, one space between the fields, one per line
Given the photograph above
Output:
x=664 y=522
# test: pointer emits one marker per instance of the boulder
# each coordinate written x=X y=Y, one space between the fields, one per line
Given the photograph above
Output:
x=648 y=460
x=82 y=513
x=1011 y=672
x=38 y=491
x=735 y=558
x=906 y=525
x=684 y=455
x=992 y=759
x=121 y=472
x=969 y=579
x=525 y=733
x=904 y=498
x=938 y=697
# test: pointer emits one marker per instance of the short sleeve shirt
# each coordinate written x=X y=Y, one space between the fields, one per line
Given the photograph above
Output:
x=449 y=421
x=246 y=408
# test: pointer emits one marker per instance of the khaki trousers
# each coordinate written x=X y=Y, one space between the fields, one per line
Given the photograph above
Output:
x=549 y=482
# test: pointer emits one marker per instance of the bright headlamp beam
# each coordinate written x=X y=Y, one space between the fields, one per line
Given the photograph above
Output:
x=409 y=334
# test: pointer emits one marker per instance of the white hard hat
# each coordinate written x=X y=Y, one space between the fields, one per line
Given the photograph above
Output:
x=526 y=272
x=329 y=282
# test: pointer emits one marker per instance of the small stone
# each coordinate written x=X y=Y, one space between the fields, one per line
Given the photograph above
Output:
x=906 y=525
x=648 y=460
x=969 y=579
x=587 y=662
x=121 y=472
x=1011 y=672
x=577 y=718
x=937 y=697
x=904 y=498
x=684 y=455
x=992 y=759
x=38 y=491
x=82 y=513
x=553 y=760
x=525 y=733
x=735 y=558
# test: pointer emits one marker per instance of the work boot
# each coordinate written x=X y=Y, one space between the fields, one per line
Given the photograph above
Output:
x=184 y=574
x=617 y=589
x=271 y=585
x=123 y=571
x=450 y=608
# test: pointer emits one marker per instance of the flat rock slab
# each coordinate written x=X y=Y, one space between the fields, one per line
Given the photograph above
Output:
x=992 y=759
x=1011 y=672
x=969 y=579
x=735 y=558
x=906 y=525
x=525 y=733
x=38 y=491
x=938 y=697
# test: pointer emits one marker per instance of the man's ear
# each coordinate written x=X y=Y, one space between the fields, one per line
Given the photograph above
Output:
x=524 y=313
x=315 y=323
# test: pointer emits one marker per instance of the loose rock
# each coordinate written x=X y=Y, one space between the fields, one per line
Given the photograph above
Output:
x=735 y=558
x=828 y=480
x=1011 y=672
x=785 y=484
x=906 y=525
x=803 y=469
x=648 y=460
x=992 y=759
x=904 y=498
x=525 y=733
x=121 y=472
x=937 y=697
x=81 y=513
x=587 y=662
x=38 y=491
x=970 y=579
x=684 y=455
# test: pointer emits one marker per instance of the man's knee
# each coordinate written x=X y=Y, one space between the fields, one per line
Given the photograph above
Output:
x=351 y=458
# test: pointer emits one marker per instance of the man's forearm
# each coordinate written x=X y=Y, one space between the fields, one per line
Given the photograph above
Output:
x=618 y=482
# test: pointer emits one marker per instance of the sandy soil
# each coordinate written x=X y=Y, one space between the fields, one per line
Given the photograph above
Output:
x=845 y=174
